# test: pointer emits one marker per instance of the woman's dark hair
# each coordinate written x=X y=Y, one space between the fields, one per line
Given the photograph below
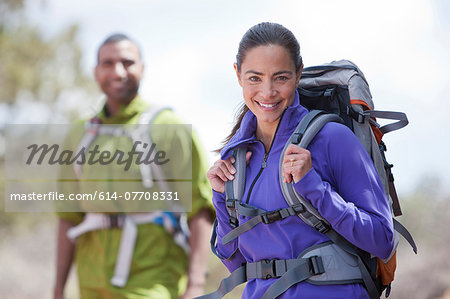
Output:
x=264 y=34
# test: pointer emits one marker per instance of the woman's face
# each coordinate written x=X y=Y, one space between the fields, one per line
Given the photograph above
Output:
x=268 y=79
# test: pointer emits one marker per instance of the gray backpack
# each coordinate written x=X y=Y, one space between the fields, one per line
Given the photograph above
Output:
x=337 y=92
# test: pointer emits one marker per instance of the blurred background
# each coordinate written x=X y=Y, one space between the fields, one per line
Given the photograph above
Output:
x=48 y=51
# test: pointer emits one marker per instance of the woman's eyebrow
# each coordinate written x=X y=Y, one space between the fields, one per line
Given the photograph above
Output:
x=275 y=74
x=283 y=72
x=254 y=72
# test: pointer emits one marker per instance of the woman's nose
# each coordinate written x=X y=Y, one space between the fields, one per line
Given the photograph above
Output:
x=268 y=90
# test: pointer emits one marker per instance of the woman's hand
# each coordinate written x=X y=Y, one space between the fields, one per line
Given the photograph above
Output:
x=296 y=163
x=223 y=171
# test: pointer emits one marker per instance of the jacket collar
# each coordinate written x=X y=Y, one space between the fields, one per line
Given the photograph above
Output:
x=246 y=133
x=126 y=112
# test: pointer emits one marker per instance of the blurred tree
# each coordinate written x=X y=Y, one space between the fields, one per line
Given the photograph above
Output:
x=35 y=68
x=37 y=71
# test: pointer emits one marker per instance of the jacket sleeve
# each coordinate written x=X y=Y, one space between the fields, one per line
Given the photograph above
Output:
x=231 y=261
x=353 y=200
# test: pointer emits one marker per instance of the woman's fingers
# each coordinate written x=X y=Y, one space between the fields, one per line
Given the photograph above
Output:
x=220 y=172
x=248 y=156
x=296 y=163
x=227 y=168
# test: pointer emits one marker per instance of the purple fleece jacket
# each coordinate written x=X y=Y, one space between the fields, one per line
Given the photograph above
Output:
x=343 y=186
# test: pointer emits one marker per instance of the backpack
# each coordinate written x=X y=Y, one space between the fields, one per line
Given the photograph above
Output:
x=324 y=87
x=337 y=92
x=174 y=222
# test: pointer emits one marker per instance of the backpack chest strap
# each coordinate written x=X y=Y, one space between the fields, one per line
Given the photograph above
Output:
x=268 y=217
x=128 y=224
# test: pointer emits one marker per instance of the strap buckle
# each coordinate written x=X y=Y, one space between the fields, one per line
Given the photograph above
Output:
x=297 y=137
x=114 y=221
x=268 y=269
x=321 y=227
x=234 y=222
x=316 y=265
x=231 y=203
x=357 y=116
x=298 y=208
x=271 y=217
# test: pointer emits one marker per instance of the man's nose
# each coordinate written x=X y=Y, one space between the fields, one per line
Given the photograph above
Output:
x=119 y=70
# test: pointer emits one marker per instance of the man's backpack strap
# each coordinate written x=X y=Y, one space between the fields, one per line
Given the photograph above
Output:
x=91 y=132
x=94 y=128
x=142 y=133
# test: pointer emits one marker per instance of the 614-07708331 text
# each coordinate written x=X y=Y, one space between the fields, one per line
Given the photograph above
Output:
x=98 y=195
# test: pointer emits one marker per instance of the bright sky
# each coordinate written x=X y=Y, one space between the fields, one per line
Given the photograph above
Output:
x=189 y=48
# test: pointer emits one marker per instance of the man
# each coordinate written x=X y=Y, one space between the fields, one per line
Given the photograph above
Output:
x=159 y=266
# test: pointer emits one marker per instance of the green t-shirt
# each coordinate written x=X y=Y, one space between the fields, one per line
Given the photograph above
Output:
x=159 y=266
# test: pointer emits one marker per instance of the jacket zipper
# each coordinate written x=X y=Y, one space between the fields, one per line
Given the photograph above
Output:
x=264 y=163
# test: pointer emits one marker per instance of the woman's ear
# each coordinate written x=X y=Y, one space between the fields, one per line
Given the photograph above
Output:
x=238 y=74
x=299 y=74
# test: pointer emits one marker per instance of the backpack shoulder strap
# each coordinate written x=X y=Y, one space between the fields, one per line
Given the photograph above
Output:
x=305 y=132
x=91 y=128
x=142 y=133
x=234 y=189
x=148 y=116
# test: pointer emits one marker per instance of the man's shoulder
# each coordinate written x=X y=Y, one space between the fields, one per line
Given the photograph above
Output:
x=166 y=115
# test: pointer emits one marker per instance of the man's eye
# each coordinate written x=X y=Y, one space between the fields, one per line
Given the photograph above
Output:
x=127 y=63
x=254 y=79
x=107 y=63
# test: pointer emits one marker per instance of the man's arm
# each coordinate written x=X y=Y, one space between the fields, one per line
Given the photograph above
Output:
x=65 y=251
x=200 y=227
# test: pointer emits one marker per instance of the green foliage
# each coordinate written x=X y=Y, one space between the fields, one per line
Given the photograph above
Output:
x=41 y=68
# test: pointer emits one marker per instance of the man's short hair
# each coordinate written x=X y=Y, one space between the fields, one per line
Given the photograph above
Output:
x=116 y=38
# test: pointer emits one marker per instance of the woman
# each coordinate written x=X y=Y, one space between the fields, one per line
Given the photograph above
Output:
x=335 y=174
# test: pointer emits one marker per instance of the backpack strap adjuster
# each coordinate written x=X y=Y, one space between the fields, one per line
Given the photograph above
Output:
x=231 y=204
x=316 y=265
x=357 y=116
x=234 y=222
x=271 y=217
x=114 y=221
x=321 y=227
x=297 y=137
x=298 y=208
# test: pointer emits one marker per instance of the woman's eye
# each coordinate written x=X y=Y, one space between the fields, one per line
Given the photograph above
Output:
x=282 y=78
x=254 y=79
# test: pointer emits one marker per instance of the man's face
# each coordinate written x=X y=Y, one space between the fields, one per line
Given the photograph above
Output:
x=119 y=71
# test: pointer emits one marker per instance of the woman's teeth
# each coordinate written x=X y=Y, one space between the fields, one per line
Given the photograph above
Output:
x=267 y=105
